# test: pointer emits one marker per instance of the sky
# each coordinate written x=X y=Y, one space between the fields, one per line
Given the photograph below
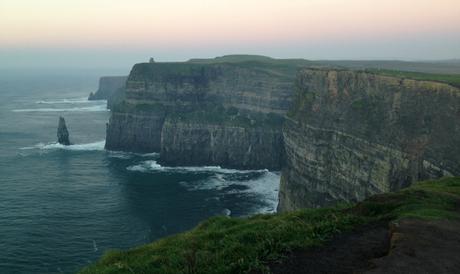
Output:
x=119 y=33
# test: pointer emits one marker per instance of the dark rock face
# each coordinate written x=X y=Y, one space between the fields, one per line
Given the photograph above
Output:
x=229 y=146
x=135 y=131
x=63 y=133
x=111 y=88
x=353 y=134
x=217 y=114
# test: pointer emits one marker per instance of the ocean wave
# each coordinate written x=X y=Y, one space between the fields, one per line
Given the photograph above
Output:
x=153 y=166
x=261 y=183
x=77 y=147
x=73 y=109
x=151 y=154
x=129 y=155
x=226 y=212
x=83 y=100
x=266 y=186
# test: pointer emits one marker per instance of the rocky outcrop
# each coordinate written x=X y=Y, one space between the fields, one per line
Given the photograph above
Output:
x=63 y=133
x=111 y=88
x=217 y=114
x=353 y=134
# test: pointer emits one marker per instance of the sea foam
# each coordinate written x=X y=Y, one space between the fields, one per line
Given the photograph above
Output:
x=265 y=185
x=77 y=147
x=83 y=100
x=71 y=109
x=153 y=166
x=261 y=183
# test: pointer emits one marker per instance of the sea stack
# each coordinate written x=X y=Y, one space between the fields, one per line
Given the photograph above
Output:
x=62 y=132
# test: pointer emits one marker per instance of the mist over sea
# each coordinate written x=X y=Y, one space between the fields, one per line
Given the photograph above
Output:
x=62 y=207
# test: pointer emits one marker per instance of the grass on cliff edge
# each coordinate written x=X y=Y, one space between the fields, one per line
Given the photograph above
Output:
x=235 y=245
x=451 y=79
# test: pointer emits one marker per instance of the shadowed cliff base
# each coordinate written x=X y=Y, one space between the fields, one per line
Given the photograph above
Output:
x=413 y=229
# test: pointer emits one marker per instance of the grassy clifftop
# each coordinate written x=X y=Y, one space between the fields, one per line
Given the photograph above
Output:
x=231 y=245
x=451 y=79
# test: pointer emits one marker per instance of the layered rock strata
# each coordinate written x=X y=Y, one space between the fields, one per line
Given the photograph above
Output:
x=353 y=134
x=217 y=114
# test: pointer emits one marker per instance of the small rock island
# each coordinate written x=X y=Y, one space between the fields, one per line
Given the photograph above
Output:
x=63 y=133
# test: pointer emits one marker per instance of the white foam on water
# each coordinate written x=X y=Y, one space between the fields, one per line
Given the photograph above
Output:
x=153 y=166
x=146 y=166
x=77 y=147
x=120 y=155
x=265 y=185
x=83 y=100
x=152 y=154
x=226 y=212
x=96 y=108
x=129 y=155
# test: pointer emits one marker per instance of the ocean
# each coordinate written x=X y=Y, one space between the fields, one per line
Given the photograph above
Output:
x=62 y=207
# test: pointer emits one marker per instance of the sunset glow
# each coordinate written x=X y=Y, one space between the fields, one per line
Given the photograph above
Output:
x=226 y=25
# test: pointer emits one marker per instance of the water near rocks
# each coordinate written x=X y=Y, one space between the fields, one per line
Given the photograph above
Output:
x=62 y=207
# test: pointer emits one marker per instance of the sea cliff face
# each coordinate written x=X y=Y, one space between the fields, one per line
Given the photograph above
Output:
x=134 y=131
x=111 y=88
x=231 y=146
x=353 y=134
x=216 y=114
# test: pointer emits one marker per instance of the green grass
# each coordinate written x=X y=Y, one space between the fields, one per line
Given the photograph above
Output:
x=236 y=245
x=125 y=106
x=206 y=113
x=451 y=79
x=219 y=115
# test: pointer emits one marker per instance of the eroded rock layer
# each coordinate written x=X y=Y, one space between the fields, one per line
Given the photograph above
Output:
x=217 y=114
x=353 y=134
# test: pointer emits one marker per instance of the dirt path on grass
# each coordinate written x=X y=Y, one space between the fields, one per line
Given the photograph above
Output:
x=422 y=247
x=346 y=253
x=410 y=246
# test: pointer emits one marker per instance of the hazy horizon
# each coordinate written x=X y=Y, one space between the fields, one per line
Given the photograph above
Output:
x=87 y=34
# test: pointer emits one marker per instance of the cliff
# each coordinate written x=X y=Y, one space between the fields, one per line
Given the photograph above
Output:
x=110 y=89
x=227 y=114
x=232 y=146
x=338 y=135
x=353 y=134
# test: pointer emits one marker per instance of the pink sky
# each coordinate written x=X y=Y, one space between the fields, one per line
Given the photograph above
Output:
x=228 y=25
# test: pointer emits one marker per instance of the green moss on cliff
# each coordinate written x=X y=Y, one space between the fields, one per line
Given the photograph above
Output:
x=451 y=79
x=127 y=107
x=231 y=245
x=219 y=115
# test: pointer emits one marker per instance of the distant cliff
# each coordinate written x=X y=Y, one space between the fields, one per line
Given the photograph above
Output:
x=110 y=89
x=353 y=134
x=228 y=114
